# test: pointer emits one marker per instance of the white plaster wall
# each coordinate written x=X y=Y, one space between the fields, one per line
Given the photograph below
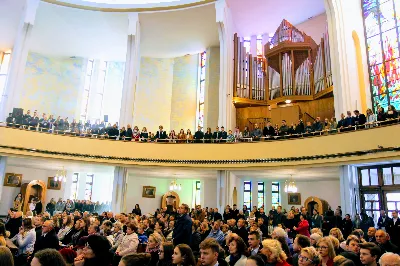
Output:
x=314 y=27
x=209 y=193
x=211 y=93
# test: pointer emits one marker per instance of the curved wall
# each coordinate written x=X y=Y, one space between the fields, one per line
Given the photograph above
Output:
x=378 y=144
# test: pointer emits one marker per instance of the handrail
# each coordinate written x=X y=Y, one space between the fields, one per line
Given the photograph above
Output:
x=214 y=141
x=305 y=113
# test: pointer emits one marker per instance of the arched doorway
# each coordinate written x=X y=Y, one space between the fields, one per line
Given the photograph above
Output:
x=35 y=188
x=172 y=195
x=312 y=203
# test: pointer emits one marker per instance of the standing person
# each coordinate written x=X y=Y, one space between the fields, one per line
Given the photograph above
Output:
x=347 y=226
x=316 y=219
x=38 y=206
x=18 y=201
x=183 y=226
x=14 y=222
x=51 y=206
x=303 y=226
x=199 y=135
x=137 y=210
x=393 y=228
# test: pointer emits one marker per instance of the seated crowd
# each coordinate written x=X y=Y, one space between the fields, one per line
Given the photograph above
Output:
x=201 y=236
x=103 y=130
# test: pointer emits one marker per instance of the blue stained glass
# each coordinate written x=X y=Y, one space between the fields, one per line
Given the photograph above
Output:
x=368 y=4
x=388 y=20
x=371 y=18
x=395 y=99
x=380 y=100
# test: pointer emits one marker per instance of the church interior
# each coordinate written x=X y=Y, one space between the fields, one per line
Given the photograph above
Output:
x=133 y=111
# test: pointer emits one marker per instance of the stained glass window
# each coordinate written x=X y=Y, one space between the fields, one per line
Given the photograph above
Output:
x=247 y=194
x=200 y=104
x=260 y=196
x=275 y=192
x=74 y=186
x=382 y=29
x=86 y=91
x=89 y=186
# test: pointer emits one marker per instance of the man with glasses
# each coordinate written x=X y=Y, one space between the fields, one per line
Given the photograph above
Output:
x=48 y=239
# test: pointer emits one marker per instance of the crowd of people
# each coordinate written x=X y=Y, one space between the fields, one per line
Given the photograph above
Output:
x=99 y=129
x=200 y=236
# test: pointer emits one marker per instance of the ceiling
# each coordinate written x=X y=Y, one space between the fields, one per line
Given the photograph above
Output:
x=254 y=17
x=129 y=4
x=10 y=13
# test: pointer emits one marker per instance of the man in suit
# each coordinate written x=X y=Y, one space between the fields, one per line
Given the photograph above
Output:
x=393 y=228
x=38 y=223
x=26 y=118
x=48 y=239
x=223 y=135
x=216 y=135
x=254 y=243
x=199 y=135
x=268 y=130
x=383 y=220
x=359 y=119
x=217 y=215
x=182 y=233
x=161 y=135
x=242 y=231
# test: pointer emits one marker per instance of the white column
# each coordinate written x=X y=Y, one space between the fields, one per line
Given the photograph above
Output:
x=349 y=190
x=345 y=17
x=118 y=203
x=3 y=163
x=253 y=45
x=254 y=193
x=15 y=79
x=227 y=113
x=267 y=195
x=132 y=66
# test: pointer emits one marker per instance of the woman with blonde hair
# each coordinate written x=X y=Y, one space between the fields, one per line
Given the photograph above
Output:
x=317 y=231
x=314 y=239
x=335 y=232
x=6 y=257
x=153 y=247
x=326 y=251
x=309 y=256
x=272 y=249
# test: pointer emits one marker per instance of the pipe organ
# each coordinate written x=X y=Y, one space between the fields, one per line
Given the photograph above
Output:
x=294 y=68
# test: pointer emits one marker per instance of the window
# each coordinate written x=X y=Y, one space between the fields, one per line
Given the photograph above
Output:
x=200 y=96
x=275 y=192
x=86 y=90
x=98 y=100
x=4 y=64
x=379 y=189
x=74 y=186
x=260 y=196
x=259 y=46
x=247 y=194
x=247 y=44
x=89 y=186
x=197 y=196
x=382 y=29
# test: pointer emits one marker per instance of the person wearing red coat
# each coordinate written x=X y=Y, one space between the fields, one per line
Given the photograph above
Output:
x=303 y=227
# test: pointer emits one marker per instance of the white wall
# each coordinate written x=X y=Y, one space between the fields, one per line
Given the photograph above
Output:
x=209 y=193
x=328 y=190
x=314 y=27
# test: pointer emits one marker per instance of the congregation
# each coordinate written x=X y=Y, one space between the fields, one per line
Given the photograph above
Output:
x=200 y=236
x=102 y=130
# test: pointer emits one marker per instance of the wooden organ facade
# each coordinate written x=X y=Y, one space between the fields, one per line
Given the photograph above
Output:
x=293 y=68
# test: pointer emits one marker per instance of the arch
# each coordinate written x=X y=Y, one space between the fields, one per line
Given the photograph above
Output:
x=360 y=72
x=322 y=204
x=28 y=192
x=176 y=201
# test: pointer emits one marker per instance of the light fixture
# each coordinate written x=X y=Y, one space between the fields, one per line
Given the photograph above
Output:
x=61 y=175
x=288 y=101
x=290 y=186
x=174 y=186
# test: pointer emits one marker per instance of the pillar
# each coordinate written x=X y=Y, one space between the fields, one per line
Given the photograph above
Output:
x=253 y=45
x=132 y=66
x=345 y=17
x=222 y=191
x=15 y=79
x=118 y=203
x=227 y=111
x=3 y=164
x=349 y=190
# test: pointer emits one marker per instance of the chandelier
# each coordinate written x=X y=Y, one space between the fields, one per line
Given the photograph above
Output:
x=174 y=186
x=61 y=175
x=290 y=186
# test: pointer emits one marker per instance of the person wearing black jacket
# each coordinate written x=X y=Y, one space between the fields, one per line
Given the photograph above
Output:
x=223 y=135
x=161 y=134
x=137 y=210
x=48 y=239
x=217 y=215
x=199 y=135
x=14 y=222
x=216 y=135
x=208 y=135
x=359 y=119
x=113 y=132
x=128 y=133
x=268 y=130
x=38 y=206
x=182 y=233
x=242 y=231
x=393 y=228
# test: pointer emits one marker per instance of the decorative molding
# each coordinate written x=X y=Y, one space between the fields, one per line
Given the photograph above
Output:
x=203 y=162
x=137 y=9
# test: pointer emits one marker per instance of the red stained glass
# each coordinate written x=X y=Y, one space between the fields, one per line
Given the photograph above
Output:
x=392 y=72
x=390 y=44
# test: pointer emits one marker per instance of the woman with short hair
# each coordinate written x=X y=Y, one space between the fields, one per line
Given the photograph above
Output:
x=272 y=249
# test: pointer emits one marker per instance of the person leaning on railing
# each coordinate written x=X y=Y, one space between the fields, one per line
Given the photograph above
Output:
x=199 y=135
x=256 y=134
x=208 y=135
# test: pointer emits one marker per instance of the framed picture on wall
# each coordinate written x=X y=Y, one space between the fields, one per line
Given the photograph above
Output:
x=52 y=184
x=149 y=192
x=12 y=180
x=294 y=198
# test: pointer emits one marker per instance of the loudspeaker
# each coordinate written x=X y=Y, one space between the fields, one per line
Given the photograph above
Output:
x=106 y=118
x=18 y=112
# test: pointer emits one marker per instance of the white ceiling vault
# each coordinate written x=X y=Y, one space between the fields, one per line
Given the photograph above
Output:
x=64 y=31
